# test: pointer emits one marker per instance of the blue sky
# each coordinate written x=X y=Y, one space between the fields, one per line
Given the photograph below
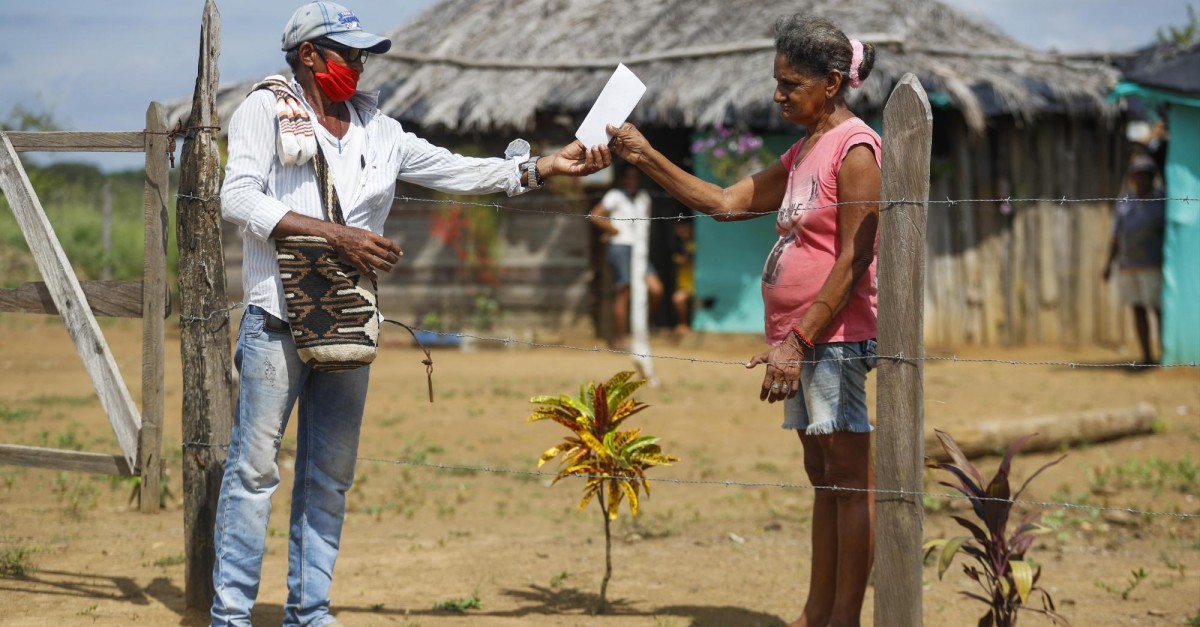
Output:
x=96 y=65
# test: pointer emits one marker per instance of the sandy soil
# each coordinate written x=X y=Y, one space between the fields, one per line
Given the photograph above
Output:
x=697 y=555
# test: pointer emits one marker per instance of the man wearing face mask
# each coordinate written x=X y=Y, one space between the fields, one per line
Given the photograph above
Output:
x=271 y=191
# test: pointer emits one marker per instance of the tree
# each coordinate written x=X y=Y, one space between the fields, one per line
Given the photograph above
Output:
x=1185 y=35
x=20 y=118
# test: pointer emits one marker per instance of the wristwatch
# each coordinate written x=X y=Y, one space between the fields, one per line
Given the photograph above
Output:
x=533 y=178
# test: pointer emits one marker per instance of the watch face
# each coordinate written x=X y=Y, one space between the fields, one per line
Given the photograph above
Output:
x=516 y=148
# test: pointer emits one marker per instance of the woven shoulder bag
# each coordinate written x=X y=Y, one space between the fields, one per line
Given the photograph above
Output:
x=331 y=307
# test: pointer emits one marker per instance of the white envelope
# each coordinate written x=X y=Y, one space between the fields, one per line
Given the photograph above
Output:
x=613 y=106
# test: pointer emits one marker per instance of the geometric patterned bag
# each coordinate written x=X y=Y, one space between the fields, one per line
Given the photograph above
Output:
x=332 y=310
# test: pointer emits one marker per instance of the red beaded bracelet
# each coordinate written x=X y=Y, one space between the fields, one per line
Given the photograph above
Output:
x=803 y=340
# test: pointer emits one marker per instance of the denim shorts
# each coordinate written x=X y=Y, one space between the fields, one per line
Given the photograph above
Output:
x=620 y=259
x=833 y=392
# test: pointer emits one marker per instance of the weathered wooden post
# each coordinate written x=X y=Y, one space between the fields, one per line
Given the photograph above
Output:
x=154 y=307
x=204 y=333
x=106 y=229
x=907 y=141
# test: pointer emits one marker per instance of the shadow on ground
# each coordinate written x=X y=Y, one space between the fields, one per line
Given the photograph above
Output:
x=531 y=601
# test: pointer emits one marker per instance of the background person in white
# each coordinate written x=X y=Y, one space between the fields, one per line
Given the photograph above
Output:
x=622 y=207
x=367 y=151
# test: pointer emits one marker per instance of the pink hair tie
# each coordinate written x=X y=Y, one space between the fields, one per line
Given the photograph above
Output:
x=855 y=62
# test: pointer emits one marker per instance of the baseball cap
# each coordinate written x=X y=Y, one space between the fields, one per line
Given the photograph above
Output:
x=333 y=21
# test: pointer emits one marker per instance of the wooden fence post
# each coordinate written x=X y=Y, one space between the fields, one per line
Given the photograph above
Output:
x=154 y=307
x=907 y=141
x=204 y=332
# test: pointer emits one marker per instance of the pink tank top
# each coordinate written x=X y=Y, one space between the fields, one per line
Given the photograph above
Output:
x=809 y=241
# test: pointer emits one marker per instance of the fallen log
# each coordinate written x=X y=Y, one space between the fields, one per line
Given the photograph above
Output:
x=992 y=437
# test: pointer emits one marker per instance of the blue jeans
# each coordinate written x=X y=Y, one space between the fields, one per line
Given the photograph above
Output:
x=331 y=408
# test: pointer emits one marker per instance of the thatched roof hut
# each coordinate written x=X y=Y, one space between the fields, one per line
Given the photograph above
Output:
x=470 y=65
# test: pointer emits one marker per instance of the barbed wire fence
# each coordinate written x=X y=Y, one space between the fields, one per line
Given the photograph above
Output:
x=223 y=314
x=733 y=483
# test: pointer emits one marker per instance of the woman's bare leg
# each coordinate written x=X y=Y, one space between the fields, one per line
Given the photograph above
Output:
x=818 y=607
x=848 y=464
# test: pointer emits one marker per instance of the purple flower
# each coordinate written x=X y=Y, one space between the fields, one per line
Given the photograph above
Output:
x=718 y=152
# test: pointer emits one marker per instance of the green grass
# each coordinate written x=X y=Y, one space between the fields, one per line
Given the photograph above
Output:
x=174 y=560
x=459 y=605
x=69 y=401
x=15 y=563
x=70 y=196
x=16 y=414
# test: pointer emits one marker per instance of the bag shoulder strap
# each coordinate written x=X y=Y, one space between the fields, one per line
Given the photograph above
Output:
x=329 y=195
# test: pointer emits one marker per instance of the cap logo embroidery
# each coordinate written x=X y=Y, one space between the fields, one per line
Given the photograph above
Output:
x=348 y=20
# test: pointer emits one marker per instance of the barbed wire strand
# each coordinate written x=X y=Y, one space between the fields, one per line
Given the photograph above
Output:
x=508 y=341
x=730 y=483
x=949 y=202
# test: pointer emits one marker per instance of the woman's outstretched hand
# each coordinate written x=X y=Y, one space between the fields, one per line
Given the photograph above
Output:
x=628 y=143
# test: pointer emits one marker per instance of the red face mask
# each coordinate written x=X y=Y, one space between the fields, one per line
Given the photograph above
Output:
x=339 y=82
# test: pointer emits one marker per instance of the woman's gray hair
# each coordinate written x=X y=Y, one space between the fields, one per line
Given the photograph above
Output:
x=816 y=45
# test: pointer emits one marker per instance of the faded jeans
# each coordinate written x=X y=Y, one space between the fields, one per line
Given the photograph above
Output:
x=331 y=408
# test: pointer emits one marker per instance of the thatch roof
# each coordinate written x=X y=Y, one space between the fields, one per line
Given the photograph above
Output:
x=1170 y=67
x=485 y=65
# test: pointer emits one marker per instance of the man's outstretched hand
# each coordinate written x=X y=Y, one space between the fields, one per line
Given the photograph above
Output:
x=576 y=160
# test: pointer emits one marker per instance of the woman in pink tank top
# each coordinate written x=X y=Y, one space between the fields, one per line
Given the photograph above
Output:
x=818 y=290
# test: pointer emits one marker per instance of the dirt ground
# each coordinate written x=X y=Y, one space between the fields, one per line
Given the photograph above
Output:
x=75 y=553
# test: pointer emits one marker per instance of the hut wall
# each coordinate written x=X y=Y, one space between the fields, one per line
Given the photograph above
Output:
x=1027 y=271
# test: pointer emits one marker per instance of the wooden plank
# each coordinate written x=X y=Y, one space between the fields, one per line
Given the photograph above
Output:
x=1018 y=277
x=935 y=314
x=55 y=459
x=114 y=299
x=154 y=307
x=1087 y=267
x=75 y=141
x=907 y=141
x=970 y=282
x=1048 y=297
x=1033 y=321
x=1007 y=165
x=204 y=337
x=69 y=298
x=989 y=266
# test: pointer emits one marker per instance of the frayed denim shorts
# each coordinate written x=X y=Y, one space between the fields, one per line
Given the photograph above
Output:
x=833 y=390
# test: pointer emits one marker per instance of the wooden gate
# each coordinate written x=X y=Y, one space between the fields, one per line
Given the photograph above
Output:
x=139 y=433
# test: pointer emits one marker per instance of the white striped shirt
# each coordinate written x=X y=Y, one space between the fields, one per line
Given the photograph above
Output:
x=259 y=190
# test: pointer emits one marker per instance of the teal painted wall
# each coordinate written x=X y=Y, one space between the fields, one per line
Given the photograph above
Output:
x=1181 y=250
x=729 y=259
